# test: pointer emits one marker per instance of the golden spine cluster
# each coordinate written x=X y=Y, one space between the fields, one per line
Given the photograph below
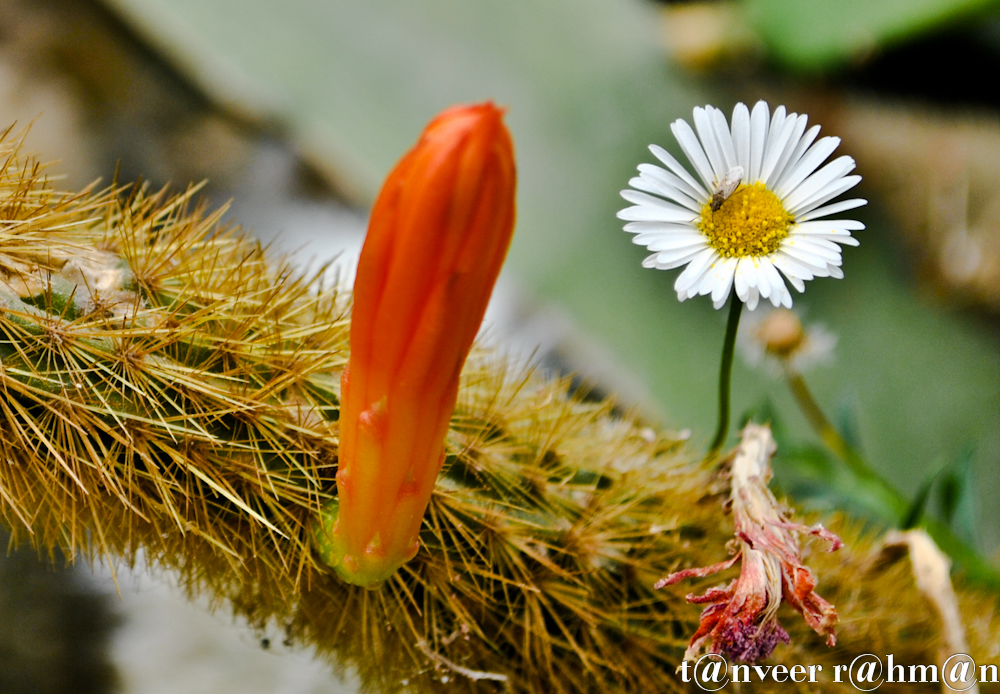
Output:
x=167 y=388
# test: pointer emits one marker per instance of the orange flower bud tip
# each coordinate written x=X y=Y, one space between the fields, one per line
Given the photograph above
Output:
x=471 y=111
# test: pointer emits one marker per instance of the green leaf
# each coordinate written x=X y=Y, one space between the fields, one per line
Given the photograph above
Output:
x=811 y=473
x=956 y=496
x=848 y=425
x=915 y=513
x=823 y=34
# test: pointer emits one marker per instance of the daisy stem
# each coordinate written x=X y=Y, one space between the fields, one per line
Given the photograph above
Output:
x=824 y=428
x=725 y=371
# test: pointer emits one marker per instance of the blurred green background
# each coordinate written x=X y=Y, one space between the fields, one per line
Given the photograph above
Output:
x=335 y=91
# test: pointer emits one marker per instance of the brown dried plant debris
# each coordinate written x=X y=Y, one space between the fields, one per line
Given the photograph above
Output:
x=741 y=620
x=169 y=389
x=939 y=174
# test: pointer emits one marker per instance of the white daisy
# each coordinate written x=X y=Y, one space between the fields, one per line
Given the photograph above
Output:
x=758 y=208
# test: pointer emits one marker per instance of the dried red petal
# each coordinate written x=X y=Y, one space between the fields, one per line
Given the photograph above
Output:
x=741 y=619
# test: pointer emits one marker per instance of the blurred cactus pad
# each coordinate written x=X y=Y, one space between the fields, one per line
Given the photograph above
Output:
x=170 y=395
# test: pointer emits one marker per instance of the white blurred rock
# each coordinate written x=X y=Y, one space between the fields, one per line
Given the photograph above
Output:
x=167 y=644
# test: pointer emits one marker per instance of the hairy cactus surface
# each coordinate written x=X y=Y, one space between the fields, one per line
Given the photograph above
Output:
x=168 y=388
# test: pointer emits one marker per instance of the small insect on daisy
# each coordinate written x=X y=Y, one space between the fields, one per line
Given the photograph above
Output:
x=754 y=210
x=727 y=186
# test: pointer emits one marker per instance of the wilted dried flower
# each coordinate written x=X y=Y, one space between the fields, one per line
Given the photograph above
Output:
x=741 y=619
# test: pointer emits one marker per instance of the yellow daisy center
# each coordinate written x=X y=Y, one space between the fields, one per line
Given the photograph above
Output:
x=751 y=222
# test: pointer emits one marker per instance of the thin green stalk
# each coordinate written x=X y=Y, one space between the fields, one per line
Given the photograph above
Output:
x=824 y=428
x=891 y=504
x=725 y=373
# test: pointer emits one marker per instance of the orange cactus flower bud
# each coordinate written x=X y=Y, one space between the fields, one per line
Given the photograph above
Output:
x=438 y=235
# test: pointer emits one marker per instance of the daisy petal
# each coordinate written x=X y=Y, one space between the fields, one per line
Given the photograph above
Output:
x=748 y=269
x=777 y=120
x=835 y=208
x=841 y=237
x=815 y=241
x=666 y=261
x=655 y=213
x=793 y=269
x=777 y=140
x=724 y=137
x=647 y=238
x=793 y=161
x=798 y=127
x=740 y=279
x=677 y=241
x=658 y=227
x=758 y=139
x=828 y=226
x=776 y=284
x=724 y=273
x=835 y=189
x=741 y=136
x=812 y=159
x=827 y=250
x=817 y=265
x=692 y=148
x=646 y=200
x=706 y=133
x=654 y=175
x=693 y=272
x=716 y=274
x=796 y=282
x=706 y=284
x=679 y=171
x=785 y=299
x=816 y=184
x=763 y=279
x=662 y=176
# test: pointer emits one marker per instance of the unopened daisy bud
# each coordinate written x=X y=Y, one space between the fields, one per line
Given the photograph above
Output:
x=780 y=332
x=438 y=235
x=778 y=340
x=742 y=619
